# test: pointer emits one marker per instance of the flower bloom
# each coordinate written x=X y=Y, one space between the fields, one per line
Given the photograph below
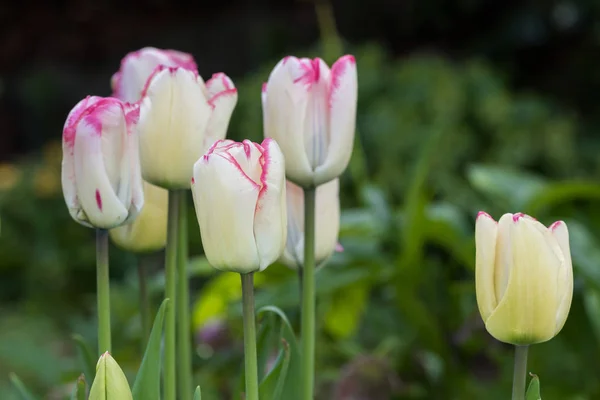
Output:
x=311 y=111
x=239 y=195
x=327 y=223
x=524 y=277
x=110 y=381
x=148 y=232
x=180 y=117
x=101 y=178
x=137 y=66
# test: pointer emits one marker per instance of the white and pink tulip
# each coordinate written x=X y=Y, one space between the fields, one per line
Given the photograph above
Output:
x=239 y=195
x=311 y=111
x=101 y=177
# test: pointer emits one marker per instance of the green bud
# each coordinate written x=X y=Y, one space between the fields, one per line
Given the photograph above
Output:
x=110 y=382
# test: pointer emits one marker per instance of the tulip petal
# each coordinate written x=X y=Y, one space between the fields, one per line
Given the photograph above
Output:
x=565 y=276
x=225 y=199
x=222 y=98
x=270 y=220
x=285 y=105
x=103 y=208
x=174 y=114
x=294 y=253
x=486 y=234
x=527 y=312
x=343 y=95
x=504 y=256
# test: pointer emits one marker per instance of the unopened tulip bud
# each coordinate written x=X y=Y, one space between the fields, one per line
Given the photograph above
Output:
x=148 y=232
x=327 y=223
x=137 y=66
x=180 y=117
x=110 y=383
x=101 y=178
x=239 y=195
x=311 y=111
x=524 y=277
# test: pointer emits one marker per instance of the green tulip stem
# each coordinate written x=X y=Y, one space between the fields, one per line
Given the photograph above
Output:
x=520 y=373
x=308 y=297
x=103 y=291
x=184 y=345
x=170 y=379
x=251 y=370
x=144 y=301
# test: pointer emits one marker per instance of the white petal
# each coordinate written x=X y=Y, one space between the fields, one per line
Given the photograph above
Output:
x=285 y=109
x=565 y=275
x=343 y=94
x=270 y=221
x=133 y=145
x=504 y=256
x=222 y=98
x=99 y=202
x=316 y=125
x=174 y=115
x=327 y=220
x=294 y=254
x=486 y=233
x=225 y=201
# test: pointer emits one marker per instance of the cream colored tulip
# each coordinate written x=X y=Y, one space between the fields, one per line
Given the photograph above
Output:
x=239 y=196
x=101 y=178
x=180 y=117
x=524 y=277
x=110 y=382
x=137 y=66
x=148 y=232
x=327 y=223
x=311 y=111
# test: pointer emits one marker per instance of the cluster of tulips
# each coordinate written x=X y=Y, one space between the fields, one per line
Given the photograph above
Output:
x=128 y=161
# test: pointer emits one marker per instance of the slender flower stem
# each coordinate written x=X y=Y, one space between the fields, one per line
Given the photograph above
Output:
x=184 y=348
x=103 y=291
x=520 y=373
x=170 y=290
x=144 y=301
x=308 y=297
x=251 y=370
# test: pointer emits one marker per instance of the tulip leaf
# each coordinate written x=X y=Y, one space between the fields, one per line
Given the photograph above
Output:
x=87 y=356
x=24 y=393
x=533 y=391
x=79 y=389
x=147 y=382
x=197 y=394
x=272 y=385
x=290 y=369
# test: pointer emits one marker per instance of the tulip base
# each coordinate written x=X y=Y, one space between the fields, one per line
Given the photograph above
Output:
x=250 y=358
x=520 y=373
x=170 y=392
x=103 y=291
x=308 y=297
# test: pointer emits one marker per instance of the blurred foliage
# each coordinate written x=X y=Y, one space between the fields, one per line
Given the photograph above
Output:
x=436 y=142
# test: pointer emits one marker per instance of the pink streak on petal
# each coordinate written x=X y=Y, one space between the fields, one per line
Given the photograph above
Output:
x=247 y=149
x=338 y=69
x=264 y=87
x=555 y=225
x=265 y=164
x=91 y=110
x=484 y=214
x=132 y=114
x=193 y=180
x=233 y=161
x=156 y=70
x=227 y=92
x=518 y=216
x=98 y=200
x=312 y=72
x=339 y=248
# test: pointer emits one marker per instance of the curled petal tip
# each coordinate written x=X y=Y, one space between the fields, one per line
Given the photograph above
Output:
x=484 y=214
x=556 y=225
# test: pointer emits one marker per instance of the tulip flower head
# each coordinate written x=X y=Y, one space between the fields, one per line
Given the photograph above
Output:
x=311 y=111
x=327 y=223
x=148 y=232
x=110 y=381
x=101 y=178
x=137 y=66
x=180 y=117
x=524 y=277
x=239 y=195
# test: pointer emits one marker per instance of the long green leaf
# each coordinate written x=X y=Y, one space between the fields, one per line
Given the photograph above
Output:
x=87 y=356
x=291 y=388
x=79 y=389
x=147 y=382
x=533 y=391
x=272 y=386
x=197 y=394
x=24 y=393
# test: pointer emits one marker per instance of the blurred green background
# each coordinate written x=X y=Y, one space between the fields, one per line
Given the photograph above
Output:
x=464 y=106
